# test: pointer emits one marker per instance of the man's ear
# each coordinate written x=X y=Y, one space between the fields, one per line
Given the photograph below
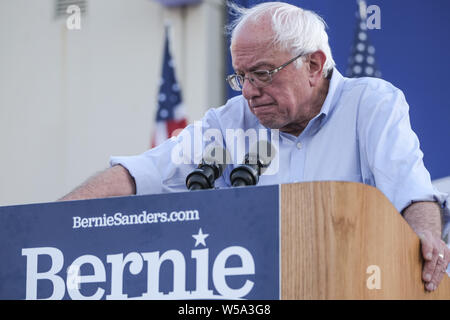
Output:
x=316 y=62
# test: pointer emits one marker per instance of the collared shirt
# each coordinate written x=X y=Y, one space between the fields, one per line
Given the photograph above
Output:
x=362 y=134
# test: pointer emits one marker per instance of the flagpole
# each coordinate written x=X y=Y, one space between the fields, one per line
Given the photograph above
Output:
x=362 y=9
x=167 y=27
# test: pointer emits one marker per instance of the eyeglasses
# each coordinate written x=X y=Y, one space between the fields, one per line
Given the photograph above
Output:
x=259 y=78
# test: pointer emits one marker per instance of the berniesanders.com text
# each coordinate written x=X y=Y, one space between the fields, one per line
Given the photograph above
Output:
x=120 y=219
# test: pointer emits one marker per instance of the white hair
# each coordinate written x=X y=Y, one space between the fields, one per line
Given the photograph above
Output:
x=295 y=30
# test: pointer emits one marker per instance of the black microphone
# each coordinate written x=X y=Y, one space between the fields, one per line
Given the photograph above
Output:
x=209 y=170
x=257 y=160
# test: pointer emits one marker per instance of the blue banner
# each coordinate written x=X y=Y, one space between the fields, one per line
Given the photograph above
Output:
x=217 y=244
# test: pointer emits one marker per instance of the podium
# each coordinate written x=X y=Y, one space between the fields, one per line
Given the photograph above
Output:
x=316 y=240
x=336 y=235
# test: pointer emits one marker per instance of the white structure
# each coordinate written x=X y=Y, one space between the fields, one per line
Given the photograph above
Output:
x=69 y=99
x=442 y=184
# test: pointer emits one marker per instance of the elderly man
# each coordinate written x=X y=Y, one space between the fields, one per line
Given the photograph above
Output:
x=330 y=127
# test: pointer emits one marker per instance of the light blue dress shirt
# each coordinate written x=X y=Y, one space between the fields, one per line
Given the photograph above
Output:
x=362 y=134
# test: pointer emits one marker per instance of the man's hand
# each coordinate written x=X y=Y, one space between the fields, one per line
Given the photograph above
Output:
x=425 y=219
x=437 y=256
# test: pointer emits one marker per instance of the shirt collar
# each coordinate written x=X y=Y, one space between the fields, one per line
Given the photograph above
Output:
x=334 y=91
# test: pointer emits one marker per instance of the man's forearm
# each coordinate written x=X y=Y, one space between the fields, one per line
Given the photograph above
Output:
x=425 y=219
x=114 y=181
x=424 y=216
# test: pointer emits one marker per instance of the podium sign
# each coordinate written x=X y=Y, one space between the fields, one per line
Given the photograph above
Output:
x=216 y=244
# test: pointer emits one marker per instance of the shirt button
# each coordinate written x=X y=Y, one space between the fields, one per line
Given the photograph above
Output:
x=299 y=145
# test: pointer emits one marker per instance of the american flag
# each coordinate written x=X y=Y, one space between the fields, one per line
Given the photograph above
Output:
x=362 y=60
x=170 y=116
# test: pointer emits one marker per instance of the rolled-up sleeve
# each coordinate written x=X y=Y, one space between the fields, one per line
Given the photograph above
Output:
x=391 y=148
x=147 y=168
x=165 y=167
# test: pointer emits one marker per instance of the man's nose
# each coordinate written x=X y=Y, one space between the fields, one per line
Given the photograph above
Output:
x=249 y=90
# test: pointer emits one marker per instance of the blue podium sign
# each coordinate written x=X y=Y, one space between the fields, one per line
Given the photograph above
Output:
x=215 y=244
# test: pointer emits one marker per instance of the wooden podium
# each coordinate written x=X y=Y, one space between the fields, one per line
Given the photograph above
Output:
x=318 y=240
x=331 y=232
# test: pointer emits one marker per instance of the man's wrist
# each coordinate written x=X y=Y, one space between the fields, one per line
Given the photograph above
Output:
x=423 y=217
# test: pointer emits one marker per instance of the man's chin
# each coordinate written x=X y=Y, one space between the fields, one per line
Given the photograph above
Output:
x=268 y=120
x=269 y=123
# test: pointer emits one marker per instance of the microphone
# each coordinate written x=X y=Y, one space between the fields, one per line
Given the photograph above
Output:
x=209 y=170
x=257 y=160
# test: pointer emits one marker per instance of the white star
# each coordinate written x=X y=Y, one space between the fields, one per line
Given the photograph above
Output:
x=363 y=26
x=163 y=113
x=362 y=36
x=359 y=58
x=360 y=46
x=200 y=238
x=357 y=69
